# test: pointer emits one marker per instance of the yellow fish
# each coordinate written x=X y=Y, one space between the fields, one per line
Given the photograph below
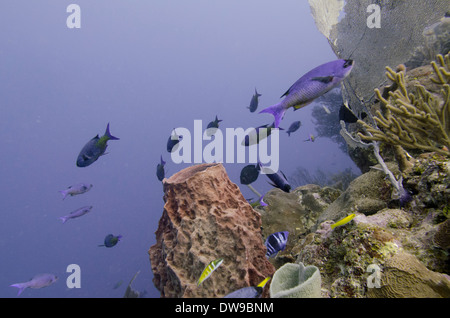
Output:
x=343 y=221
x=263 y=283
x=209 y=270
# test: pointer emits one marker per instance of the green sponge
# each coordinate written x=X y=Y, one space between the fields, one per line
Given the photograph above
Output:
x=296 y=281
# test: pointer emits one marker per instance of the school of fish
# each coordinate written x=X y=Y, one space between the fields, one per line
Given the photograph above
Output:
x=305 y=90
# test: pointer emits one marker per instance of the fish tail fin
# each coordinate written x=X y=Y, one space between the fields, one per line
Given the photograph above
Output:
x=64 y=193
x=277 y=111
x=63 y=219
x=21 y=287
x=108 y=134
x=263 y=283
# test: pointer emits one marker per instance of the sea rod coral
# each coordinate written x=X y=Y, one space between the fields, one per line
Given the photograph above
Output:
x=419 y=120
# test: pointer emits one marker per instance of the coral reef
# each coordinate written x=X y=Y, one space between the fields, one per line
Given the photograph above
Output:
x=405 y=277
x=383 y=233
x=419 y=120
x=294 y=212
x=442 y=236
x=344 y=255
x=367 y=194
x=206 y=217
x=397 y=245
x=296 y=281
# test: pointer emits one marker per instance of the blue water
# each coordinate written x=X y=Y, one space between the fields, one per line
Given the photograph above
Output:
x=145 y=67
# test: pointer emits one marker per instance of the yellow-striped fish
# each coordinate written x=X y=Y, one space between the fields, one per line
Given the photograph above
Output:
x=209 y=270
x=343 y=221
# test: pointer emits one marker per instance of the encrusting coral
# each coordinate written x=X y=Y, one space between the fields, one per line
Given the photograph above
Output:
x=417 y=120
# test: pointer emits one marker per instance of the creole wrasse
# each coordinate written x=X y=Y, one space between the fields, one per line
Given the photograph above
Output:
x=310 y=86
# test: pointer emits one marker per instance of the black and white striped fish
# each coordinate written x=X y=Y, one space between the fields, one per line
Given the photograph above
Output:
x=276 y=242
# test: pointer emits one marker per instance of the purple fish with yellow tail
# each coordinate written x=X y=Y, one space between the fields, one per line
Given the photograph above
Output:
x=310 y=86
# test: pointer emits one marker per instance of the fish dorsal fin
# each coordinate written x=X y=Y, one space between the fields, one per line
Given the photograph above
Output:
x=287 y=92
x=323 y=79
x=272 y=184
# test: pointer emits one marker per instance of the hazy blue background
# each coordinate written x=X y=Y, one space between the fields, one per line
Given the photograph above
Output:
x=145 y=67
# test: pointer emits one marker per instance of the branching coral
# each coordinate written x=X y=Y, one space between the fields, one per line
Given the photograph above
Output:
x=417 y=120
x=442 y=71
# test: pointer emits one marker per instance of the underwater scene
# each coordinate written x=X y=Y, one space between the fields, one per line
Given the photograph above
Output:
x=225 y=149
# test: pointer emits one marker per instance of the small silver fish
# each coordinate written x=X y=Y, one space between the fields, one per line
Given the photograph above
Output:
x=77 y=213
x=79 y=188
x=38 y=281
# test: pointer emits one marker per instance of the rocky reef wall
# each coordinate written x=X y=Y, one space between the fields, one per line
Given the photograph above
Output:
x=408 y=243
x=205 y=217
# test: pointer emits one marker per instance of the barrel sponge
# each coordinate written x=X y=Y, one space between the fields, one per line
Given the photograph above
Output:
x=296 y=281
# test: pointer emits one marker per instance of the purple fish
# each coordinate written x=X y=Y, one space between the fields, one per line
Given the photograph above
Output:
x=76 y=213
x=313 y=84
x=261 y=202
x=38 y=281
